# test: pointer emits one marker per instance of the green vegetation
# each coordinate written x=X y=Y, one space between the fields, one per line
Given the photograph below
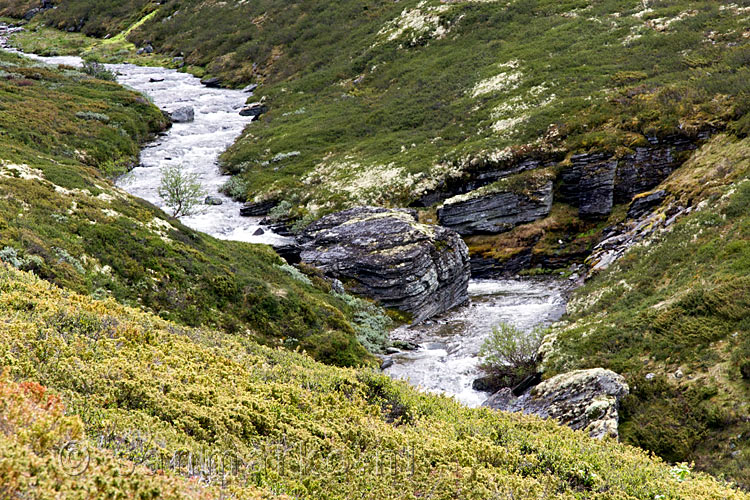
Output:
x=121 y=372
x=509 y=355
x=63 y=134
x=379 y=103
x=673 y=316
x=384 y=101
x=181 y=191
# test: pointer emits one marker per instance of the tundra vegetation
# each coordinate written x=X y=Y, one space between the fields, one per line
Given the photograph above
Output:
x=379 y=103
x=98 y=372
x=65 y=133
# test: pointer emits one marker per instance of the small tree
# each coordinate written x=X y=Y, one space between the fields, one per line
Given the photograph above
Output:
x=509 y=355
x=181 y=191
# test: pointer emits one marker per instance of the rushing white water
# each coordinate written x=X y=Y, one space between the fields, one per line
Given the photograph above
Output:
x=194 y=147
x=447 y=359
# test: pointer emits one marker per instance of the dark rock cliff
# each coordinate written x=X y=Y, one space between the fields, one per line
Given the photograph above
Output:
x=389 y=256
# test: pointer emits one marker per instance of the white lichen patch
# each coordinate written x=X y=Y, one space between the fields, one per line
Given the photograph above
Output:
x=106 y=198
x=512 y=112
x=735 y=9
x=111 y=213
x=663 y=23
x=361 y=184
x=437 y=175
x=72 y=192
x=422 y=21
x=24 y=172
x=502 y=82
x=161 y=227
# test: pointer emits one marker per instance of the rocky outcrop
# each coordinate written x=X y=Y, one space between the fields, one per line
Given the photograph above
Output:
x=594 y=182
x=585 y=400
x=182 y=115
x=482 y=172
x=213 y=82
x=644 y=203
x=618 y=239
x=254 y=109
x=388 y=256
x=496 y=212
x=500 y=206
x=257 y=208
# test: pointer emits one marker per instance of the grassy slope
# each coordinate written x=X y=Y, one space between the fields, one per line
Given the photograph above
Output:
x=415 y=115
x=681 y=302
x=61 y=217
x=399 y=110
x=683 y=70
x=120 y=370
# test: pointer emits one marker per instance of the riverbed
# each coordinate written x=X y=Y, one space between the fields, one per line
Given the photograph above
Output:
x=447 y=359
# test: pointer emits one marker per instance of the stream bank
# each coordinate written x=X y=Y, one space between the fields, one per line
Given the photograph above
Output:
x=446 y=360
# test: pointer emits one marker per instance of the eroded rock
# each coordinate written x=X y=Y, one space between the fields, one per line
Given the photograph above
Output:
x=644 y=203
x=387 y=255
x=586 y=400
x=254 y=109
x=501 y=206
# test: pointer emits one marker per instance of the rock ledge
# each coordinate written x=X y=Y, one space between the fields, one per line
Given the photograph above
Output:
x=387 y=255
x=583 y=399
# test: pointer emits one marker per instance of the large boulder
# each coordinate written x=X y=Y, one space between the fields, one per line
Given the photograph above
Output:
x=583 y=399
x=389 y=256
x=500 y=206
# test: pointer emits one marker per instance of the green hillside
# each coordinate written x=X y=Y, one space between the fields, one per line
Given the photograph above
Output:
x=416 y=92
x=678 y=310
x=385 y=103
x=64 y=133
x=119 y=370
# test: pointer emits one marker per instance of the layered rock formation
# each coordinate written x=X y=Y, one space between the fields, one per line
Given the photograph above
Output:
x=496 y=212
x=583 y=400
x=389 y=256
x=594 y=182
x=501 y=206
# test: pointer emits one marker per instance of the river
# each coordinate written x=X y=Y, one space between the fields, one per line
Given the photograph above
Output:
x=446 y=361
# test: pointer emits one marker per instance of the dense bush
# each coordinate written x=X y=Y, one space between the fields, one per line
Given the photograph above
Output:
x=509 y=354
x=294 y=426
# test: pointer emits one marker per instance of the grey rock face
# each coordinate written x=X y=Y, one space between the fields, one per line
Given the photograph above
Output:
x=213 y=82
x=589 y=184
x=257 y=208
x=496 y=212
x=389 y=256
x=254 y=109
x=644 y=204
x=593 y=182
x=583 y=399
x=183 y=115
x=618 y=239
